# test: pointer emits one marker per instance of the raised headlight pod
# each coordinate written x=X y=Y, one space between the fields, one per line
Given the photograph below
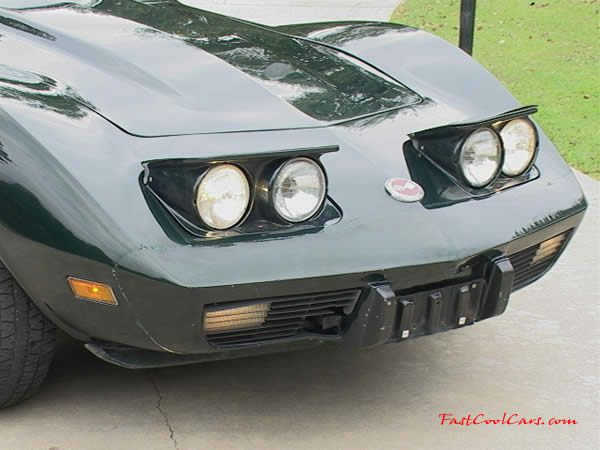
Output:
x=223 y=196
x=520 y=142
x=298 y=189
x=480 y=157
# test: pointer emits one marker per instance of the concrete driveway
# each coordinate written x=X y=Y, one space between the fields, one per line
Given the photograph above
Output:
x=541 y=358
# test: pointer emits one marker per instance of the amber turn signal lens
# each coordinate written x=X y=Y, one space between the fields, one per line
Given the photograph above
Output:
x=548 y=248
x=89 y=290
x=235 y=318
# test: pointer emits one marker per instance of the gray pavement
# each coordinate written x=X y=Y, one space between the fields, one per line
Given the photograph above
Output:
x=541 y=358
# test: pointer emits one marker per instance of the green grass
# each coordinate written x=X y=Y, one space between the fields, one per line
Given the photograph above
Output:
x=545 y=52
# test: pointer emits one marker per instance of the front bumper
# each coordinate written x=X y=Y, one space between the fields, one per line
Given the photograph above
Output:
x=394 y=304
x=374 y=312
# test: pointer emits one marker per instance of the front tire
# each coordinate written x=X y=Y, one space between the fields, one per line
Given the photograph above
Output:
x=27 y=342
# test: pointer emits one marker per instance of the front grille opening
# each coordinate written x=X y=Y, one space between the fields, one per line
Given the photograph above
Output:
x=531 y=263
x=250 y=322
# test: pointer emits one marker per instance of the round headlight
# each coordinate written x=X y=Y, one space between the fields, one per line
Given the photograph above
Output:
x=519 y=140
x=299 y=189
x=223 y=196
x=480 y=157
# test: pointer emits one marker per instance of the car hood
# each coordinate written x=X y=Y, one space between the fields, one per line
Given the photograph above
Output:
x=162 y=68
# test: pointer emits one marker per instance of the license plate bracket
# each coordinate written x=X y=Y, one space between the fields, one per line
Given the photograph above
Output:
x=435 y=310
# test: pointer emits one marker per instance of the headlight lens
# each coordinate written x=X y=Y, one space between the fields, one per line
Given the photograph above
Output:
x=223 y=196
x=298 y=189
x=519 y=140
x=480 y=157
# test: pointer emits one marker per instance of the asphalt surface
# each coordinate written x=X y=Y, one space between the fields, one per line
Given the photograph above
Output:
x=540 y=359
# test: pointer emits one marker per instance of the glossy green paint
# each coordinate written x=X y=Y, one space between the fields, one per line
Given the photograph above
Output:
x=73 y=110
x=210 y=72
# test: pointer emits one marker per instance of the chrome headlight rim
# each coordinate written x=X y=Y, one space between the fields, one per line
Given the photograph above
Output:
x=273 y=179
x=461 y=153
x=535 y=152
x=249 y=203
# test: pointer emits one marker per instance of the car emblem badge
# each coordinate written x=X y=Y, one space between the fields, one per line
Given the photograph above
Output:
x=404 y=190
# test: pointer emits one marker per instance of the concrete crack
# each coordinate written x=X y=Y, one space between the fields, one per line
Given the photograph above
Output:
x=160 y=410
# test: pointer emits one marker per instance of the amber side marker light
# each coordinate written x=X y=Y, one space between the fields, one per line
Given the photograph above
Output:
x=95 y=292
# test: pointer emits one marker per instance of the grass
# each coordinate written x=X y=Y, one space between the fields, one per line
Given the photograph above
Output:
x=545 y=52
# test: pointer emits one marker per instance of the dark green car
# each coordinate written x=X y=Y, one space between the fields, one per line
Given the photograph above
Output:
x=178 y=186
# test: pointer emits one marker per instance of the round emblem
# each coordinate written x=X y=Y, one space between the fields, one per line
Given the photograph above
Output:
x=404 y=190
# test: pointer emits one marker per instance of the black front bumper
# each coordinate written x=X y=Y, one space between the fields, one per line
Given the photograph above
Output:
x=380 y=312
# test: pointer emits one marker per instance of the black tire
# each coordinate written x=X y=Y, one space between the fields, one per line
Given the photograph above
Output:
x=27 y=342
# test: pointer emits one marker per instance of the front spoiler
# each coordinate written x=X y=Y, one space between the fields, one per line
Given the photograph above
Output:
x=136 y=358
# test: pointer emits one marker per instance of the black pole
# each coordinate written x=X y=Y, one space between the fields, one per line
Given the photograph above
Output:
x=467 y=25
